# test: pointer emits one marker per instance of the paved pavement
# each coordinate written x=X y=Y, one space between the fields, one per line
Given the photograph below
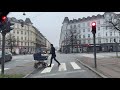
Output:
x=69 y=68
x=107 y=63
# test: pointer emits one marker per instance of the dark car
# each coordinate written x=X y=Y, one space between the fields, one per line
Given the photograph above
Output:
x=8 y=56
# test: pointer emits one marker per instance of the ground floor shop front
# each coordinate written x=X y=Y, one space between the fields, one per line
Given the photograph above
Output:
x=107 y=47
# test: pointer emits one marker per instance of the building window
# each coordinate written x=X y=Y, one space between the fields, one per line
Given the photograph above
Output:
x=89 y=41
x=99 y=41
x=106 y=40
x=88 y=35
x=79 y=41
x=88 y=29
x=17 y=32
x=25 y=38
x=110 y=40
x=25 y=44
x=83 y=24
x=21 y=32
x=74 y=26
x=79 y=36
x=98 y=34
x=84 y=42
x=21 y=43
x=79 y=25
x=98 y=22
x=25 y=33
x=21 y=38
x=106 y=33
x=71 y=26
x=83 y=30
x=110 y=33
x=13 y=31
x=83 y=36
x=98 y=28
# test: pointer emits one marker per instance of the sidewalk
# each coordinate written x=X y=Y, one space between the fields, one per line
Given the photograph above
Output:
x=109 y=67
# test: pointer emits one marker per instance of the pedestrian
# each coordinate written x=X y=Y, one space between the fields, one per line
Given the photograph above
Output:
x=53 y=56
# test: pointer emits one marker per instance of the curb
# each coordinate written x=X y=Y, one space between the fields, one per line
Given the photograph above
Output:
x=98 y=73
x=28 y=74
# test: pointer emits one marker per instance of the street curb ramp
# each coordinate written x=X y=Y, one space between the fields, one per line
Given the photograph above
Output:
x=98 y=73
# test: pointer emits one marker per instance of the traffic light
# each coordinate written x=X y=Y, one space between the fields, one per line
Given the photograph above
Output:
x=3 y=15
x=94 y=27
x=3 y=23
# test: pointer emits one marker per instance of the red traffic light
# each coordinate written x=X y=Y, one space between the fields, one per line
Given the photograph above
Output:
x=94 y=27
x=93 y=23
x=4 y=18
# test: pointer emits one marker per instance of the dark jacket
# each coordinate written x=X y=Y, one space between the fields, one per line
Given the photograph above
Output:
x=53 y=52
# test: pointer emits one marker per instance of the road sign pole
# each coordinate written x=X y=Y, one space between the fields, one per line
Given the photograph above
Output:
x=3 y=52
x=94 y=50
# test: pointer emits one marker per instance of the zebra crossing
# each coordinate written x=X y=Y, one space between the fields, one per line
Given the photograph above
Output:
x=61 y=68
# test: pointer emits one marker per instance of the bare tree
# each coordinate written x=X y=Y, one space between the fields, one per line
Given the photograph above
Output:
x=112 y=20
x=10 y=41
x=70 y=38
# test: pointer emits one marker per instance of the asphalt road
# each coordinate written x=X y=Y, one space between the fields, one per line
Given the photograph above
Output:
x=69 y=68
x=18 y=62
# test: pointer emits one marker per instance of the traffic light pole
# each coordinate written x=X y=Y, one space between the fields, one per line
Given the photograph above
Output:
x=3 y=53
x=94 y=50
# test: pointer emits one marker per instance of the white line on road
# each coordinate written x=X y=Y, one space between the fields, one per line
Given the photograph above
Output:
x=5 y=69
x=42 y=76
x=62 y=67
x=48 y=69
x=74 y=65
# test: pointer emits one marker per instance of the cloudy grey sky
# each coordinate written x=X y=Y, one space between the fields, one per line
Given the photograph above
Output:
x=49 y=23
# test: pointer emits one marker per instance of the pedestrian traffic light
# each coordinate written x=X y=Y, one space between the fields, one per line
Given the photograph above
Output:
x=94 y=27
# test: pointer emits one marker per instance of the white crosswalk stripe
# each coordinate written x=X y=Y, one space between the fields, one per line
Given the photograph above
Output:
x=48 y=69
x=74 y=65
x=62 y=67
x=5 y=69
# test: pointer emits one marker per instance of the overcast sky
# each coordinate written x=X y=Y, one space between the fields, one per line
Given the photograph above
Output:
x=49 y=23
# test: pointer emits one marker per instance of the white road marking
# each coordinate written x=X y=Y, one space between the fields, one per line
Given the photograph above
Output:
x=5 y=69
x=24 y=60
x=42 y=76
x=62 y=67
x=75 y=66
x=48 y=69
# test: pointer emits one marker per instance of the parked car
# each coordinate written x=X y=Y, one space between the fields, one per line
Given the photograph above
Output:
x=8 y=56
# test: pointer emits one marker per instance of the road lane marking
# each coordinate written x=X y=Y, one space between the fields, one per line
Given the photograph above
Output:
x=48 y=69
x=62 y=67
x=42 y=76
x=5 y=69
x=74 y=65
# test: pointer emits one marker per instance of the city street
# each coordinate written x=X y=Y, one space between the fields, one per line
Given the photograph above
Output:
x=69 y=68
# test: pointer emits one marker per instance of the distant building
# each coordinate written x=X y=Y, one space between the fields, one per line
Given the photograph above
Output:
x=82 y=26
x=28 y=38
